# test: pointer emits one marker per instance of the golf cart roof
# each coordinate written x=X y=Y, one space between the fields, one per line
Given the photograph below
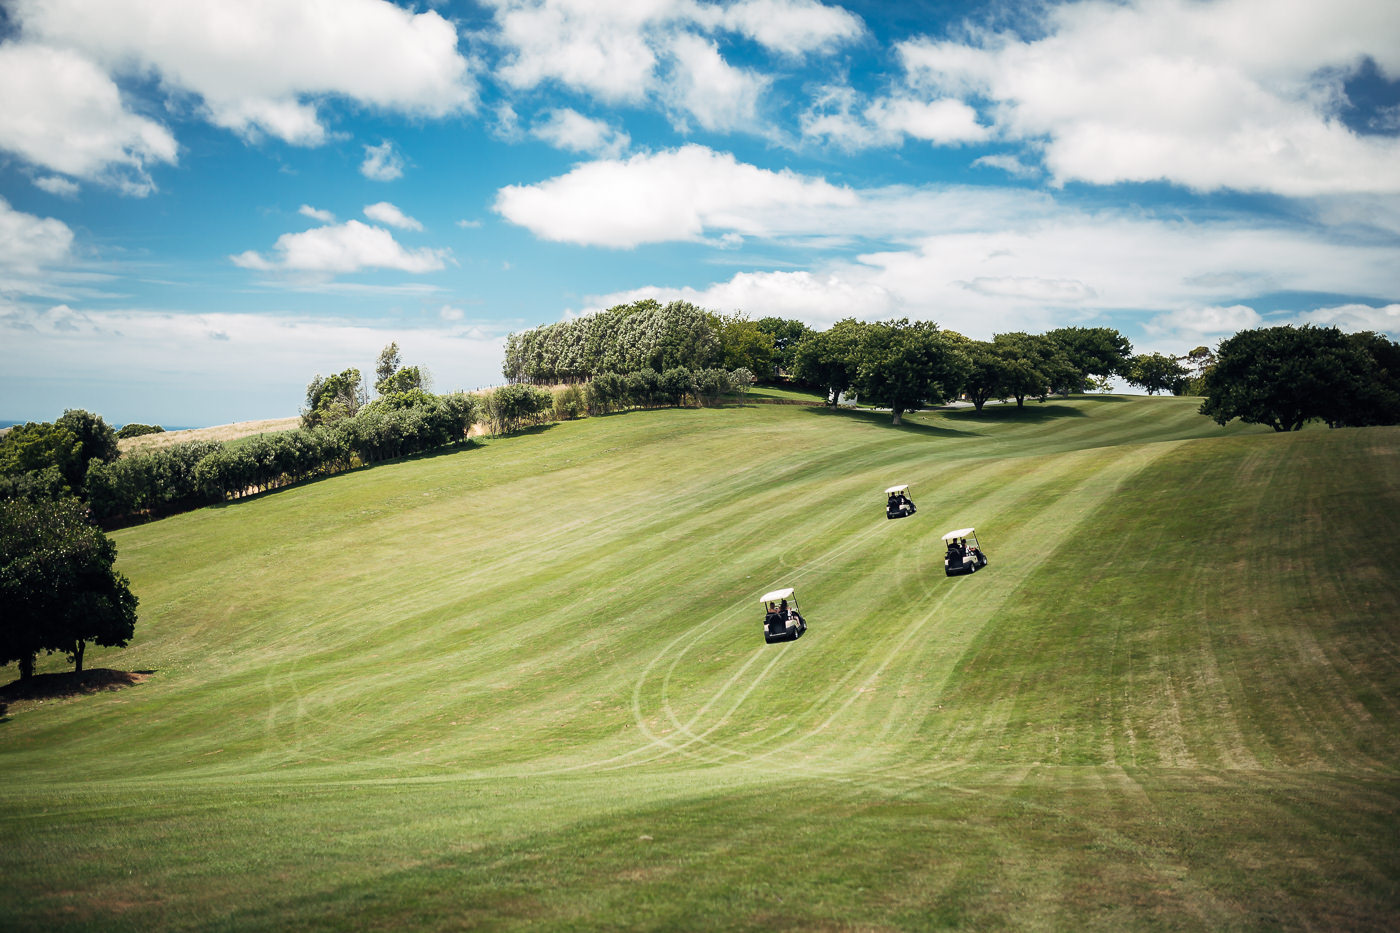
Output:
x=894 y=489
x=960 y=533
x=777 y=595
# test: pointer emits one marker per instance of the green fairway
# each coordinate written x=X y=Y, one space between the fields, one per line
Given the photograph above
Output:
x=524 y=685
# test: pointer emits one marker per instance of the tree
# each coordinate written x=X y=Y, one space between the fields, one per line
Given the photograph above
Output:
x=1093 y=351
x=40 y=458
x=987 y=375
x=1032 y=365
x=1156 y=372
x=58 y=588
x=135 y=429
x=903 y=365
x=96 y=439
x=333 y=398
x=388 y=363
x=827 y=359
x=742 y=343
x=786 y=336
x=1286 y=376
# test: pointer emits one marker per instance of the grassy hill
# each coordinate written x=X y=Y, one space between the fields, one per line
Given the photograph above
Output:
x=524 y=685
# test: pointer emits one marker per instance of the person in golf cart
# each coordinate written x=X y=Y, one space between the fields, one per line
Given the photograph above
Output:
x=782 y=621
x=964 y=552
x=898 y=504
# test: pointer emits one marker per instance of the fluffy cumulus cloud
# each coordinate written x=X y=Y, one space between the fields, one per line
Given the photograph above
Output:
x=64 y=114
x=29 y=243
x=566 y=128
x=316 y=213
x=1241 y=94
x=386 y=213
x=342 y=248
x=262 y=66
x=1202 y=325
x=717 y=95
x=673 y=195
x=839 y=116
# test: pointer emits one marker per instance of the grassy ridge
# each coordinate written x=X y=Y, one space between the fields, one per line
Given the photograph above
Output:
x=525 y=684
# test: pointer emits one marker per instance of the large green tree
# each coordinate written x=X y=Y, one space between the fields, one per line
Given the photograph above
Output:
x=743 y=344
x=1032 y=365
x=1287 y=376
x=333 y=398
x=1093 y=351
x=827 y=359
x=902 y=365
x=786 y=336
x=58 y=588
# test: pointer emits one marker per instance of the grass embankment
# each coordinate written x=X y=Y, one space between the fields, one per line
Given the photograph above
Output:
x=524 y=685
x=221 y=432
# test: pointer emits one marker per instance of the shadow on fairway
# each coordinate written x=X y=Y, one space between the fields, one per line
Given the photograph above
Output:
x=882 y=419
x=1032 y=413
x=68 y=684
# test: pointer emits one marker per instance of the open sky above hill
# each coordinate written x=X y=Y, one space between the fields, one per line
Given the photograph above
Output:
x=203 y=204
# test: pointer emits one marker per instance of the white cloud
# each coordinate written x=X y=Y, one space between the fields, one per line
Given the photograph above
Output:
x=386 y=213
x=614 y=51
x=718 y=95
x=382 y=162
x=1202 y=325
x=62 y=113
x=325 y=217
x=261 y=66
x=449 y=313
x=673 y=195
x=1009 y=164
x=57 y=185
x=1059 y=291
x=348 y=247
x=29 y=243
x=1242 y=94
x=1357 y=317
x=565 y=128
x=945 y=121
x=792 y=27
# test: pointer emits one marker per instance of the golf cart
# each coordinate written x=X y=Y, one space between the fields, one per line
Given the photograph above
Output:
x=781 y=620
x=964 y=553
x=899 y=505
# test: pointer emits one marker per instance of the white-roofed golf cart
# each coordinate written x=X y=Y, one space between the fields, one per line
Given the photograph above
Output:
x=964 y=552
x=781 y=619
x=898 y=504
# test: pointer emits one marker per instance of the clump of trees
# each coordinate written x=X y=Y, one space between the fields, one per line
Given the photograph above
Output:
x=648 y=335
x=1287 y=376
x=58 y=588
x=43 y=460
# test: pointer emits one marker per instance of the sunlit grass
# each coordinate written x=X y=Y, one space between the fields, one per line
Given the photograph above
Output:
x=524 y=685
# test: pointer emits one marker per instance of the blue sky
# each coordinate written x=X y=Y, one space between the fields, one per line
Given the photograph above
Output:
x=203 y=204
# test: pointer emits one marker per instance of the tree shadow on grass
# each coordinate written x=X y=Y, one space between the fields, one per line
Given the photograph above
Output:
x=67 y=684
x=1032 y=413
x=883 y=419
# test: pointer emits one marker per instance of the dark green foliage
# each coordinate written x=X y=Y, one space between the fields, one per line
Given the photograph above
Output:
x=643 y=387
x=1093 y=351
x=96 y=438
x=1033 y=365
x=1287 y=376
x=712 y=384
x=58 y=590
x=1156 y=372
x=156 y=481
x=827 y=359
x=606 y=392
x=676 y=385
x=901 y=366
x=134 y=429
x=988 y=372
x=786 y=336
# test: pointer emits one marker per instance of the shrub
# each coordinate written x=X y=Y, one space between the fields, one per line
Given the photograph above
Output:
x=568 y=403
x=138 y=430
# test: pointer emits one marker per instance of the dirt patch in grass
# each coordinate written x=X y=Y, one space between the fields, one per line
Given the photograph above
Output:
x=69 y=683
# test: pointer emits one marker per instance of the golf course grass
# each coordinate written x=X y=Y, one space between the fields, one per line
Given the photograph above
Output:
x=523 y=684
